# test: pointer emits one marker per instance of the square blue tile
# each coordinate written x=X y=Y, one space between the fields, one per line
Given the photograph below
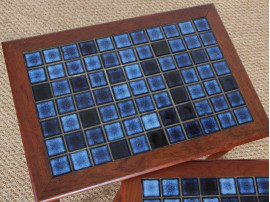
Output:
x=176 y=45
x=55 y=146
x=138 y=37
x=242 y=115
x=263 y=185
x=88 y=48
x=214 y=53
x=75 y=141
x=150 y=67
x=162 y=100
x=127 y=56
x=84 y=100
x=94 y=136
x=154 y=33
x=114 y=131
x=138 y=87
x=201 y=24
x=89 y=118
x=74 y=67
x=60 y=165
x=126 y=108
x=208 y=38
x=79 y=83
x=170 y=187
x=179 y=95
x=133 y=126
x=186 y=27
x=226 y=120
x=228 y=83
x=60 y=87
x=205 y=71
x=108 y=113
x=183 y=60
x=166 y=63
x=105 y=44
x=190 y=186
x=139 y=144
x=173 y=78
x=52 y=55
x=235 y=99
x=92 y=63
x=229 y=199
x=103 y=95
x=65 y=105
x=171 y=31
x=50 y=127
x=209 y=186
x=156 y=83
x=115 y=75
x=119 y=149
x=33 y=59
x=221 y=68
x=37 y=75
x=175 y=134
x=193 y=129
x=150 y=188
x=56 y=71
x=121 y=91
x=199 y=56
x=144 y=52
x=219 y=103
x=227 y=186
x=171 y=200
x=80 y=160
x=101 y=155
x=210 y=199
x=145 y=104
x=110 y=59
x=246 y=185
x=192 y=42
x=203 y=108
x=186 y=111
x=70 y=122
x=212 y=87
x=133 y=71
x=209 y=124
x=46 y=109
x=189 y=75
x=196 y=91
x=150 y=121
x=97 y=79
x=191 y=199
x=70 y=51
x=122 y=40
x=248 y=199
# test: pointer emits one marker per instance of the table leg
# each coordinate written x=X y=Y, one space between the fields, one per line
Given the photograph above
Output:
x=117 y=197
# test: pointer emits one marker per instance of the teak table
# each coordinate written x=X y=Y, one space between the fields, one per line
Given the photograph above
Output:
x=105 y=103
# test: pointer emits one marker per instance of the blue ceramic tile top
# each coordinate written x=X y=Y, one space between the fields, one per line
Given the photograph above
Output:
x=171 y=200
x=170 y=187
x=229 y=199
x=150 y=188
x=246 y=185
x=210 y=199
x=55 y=146
x=121 y=95
x=227 y=186
x=190 y=186
x=263 y=185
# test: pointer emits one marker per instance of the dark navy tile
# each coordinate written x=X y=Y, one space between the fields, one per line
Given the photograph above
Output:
x=133 y=71
x=193 y=129
x=84 y=100
x=156 y=83
x=209 y=124
x=70 y=51
x=157 y=139
x=228 y=83
x=126 y=108
x=70 y=122
x=122 y=40
x=205 y=71
x=150 y=121
x=101 y=155
x=219 y=103
x=133 y=126
x=42 y=92
x=115 y=75
x=246 y=185
x=201 y=24
x=60 y=165
x=150 y=188
x=103 y=95
x=192 y=41
x=119 y=149
x=203 y=108
x=145 y=104
x=110 y=59
x=79 y=83
x=37 y=75
x=51 y=55
x=74 y=67
x=55 y=146
x=94 y=136
x=88 y=48
x=179 y=95
x=139 y=144
x=33 y=59
x=162 y=100
x=80 y=160
x=160 y=48
x=150 y=67
x=214 y=53
x=209 y=186
x=189 y=75
x=177 y=45
x=186 y=27
x=97 y=79
x=154 y=33
x=127 y=56
x=229 y=199
x=226 y=120
x=235 y=99
x=60 y=87
x=114 y=131
x=56 y=71
x=212 y=87
x=89 y=118
x=183 y=60
x=75 y=141
x=65 y=105
x=170 y=187
x=138 y=87
x=208 y=38
x=168 y=116
x=121 y=91
x=105 y=44
x=264 y=198
x=108 y=113
x=138 y=37
x=50 y=127
x=186 y=111
x=242 y=115
x=166 y=63
x=199 y=56
x=144 y=52
x=263 y=185
x=175 y=134
x=221 y=68
x=92 y=63
x=248 y=199
x=170 y=31
x=196 y=91
x=45 y=109
x=173 y=79
x=190 y=186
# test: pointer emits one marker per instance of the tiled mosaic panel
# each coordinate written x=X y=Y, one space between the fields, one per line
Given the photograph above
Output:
x=223 y=189
x=109 y=98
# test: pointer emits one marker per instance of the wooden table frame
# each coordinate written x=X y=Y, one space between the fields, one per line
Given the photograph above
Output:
x=45 y=186
x=131 y=190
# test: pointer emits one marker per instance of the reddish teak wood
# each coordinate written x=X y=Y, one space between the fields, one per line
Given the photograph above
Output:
x=46 y=187
x=118 y=196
